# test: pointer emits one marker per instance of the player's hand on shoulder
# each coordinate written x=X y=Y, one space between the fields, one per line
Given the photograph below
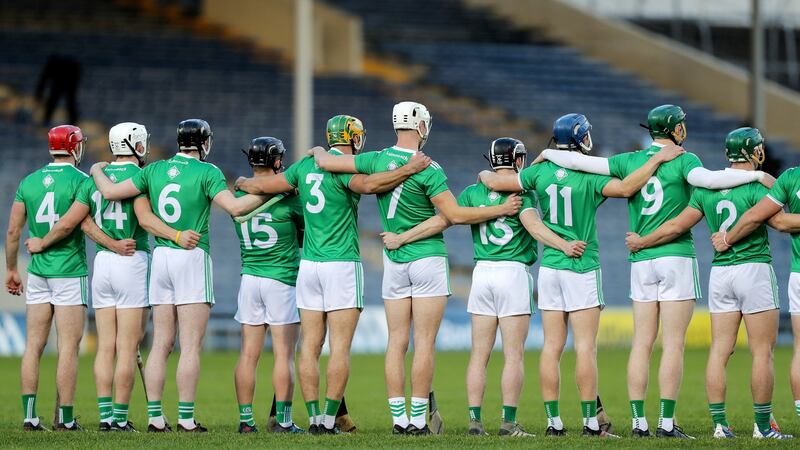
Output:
x=391 y=240
x=669 y=152
x=97 y=167
x=418 y=162
x=512 y=205
x=574 y=249
x=125 y=247
x=633 y=241
x=539 y=159
x=766 y=179
x=13 y=282
x=238 y=183
x=34 y=245
x=719 y=242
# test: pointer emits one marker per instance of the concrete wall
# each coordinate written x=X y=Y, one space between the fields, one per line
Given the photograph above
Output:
x=338 y=41
x=666 y=63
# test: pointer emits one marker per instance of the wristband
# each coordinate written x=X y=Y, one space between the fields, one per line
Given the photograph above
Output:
x=177 y=237
x=725 y=239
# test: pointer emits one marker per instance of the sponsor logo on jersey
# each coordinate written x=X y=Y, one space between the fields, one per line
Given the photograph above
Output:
x=561 y=174
x=173 y=172
x=48 y=180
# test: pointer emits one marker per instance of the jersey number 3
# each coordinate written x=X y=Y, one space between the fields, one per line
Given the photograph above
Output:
x=315 y=180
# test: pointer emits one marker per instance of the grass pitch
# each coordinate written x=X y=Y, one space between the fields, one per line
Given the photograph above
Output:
x=217 y=408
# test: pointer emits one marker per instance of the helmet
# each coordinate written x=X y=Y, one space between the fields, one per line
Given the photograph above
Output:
x=504 y=152
x=264 y=151
x=408 y=115
x=745 y=145
x=662 y=121
x=192 y=134
x=129 y=139
x=570 y=131
x=66 y=140
x=346 y=130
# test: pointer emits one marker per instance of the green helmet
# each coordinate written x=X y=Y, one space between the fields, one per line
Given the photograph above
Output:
x=745 y=145
x=662 y=120
x=346 y=130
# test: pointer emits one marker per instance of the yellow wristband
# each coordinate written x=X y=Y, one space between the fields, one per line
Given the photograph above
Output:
x=177 y=237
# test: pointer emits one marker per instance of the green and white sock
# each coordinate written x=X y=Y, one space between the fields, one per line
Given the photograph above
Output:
x=509 y=414
x=106 y=408
x=474 y=413
x=718 y=415
x=313 y=412
x=419 y=406
x=762 y=412
x=246 y=414
x=186 y=415
x=65 y=415
x=553 y=416
x=797 y=407
x=121 y=413
x=29 y=409
x=589 y=411
x=638 y=419
x=331 y=406
x=397 y=407
x=283 y=413
x=155 y=414
x=666 y=414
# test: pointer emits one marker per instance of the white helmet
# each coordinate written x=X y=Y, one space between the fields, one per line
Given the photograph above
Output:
x=124 y=139
x=408 y=115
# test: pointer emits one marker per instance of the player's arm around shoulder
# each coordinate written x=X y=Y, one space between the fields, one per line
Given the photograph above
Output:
x=151 y=223
x=535 y=227
x=117 y=191
x=334 y=163
x=424 y=230
x=446 y=203
x=380 y=182
x=634 y=181
x=61 y=229
x=667 y=232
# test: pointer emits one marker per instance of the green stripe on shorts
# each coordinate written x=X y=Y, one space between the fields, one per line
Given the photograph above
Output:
x=598 y=278
x=84 y=291
x=447 y=274
x=530 y=292
x=698 y=294
x=209 y=291
x=147 y=287
x=775 y=297
x=359 y=284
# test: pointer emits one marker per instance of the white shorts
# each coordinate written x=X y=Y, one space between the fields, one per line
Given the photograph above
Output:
x=749 y=288
x=266 y=301
x=565 y=290
x=120 y=281
x=57 y=291
x=794 y=293
x=669 y=278
x=501 y=289
x=330 y=285
x=425 y=277
x=180 y=277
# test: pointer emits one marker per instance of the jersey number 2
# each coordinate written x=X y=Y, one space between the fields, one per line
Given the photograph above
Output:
x=726 y=205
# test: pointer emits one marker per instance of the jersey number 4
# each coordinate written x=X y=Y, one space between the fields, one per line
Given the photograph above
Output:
x=47 y=210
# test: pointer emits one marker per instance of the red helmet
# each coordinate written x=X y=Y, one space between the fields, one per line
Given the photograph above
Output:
x=66 y=140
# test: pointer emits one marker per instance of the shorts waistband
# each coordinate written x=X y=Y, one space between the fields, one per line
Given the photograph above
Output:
x=515 y=264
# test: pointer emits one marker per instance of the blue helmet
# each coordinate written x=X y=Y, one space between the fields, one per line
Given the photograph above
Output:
x=569 y=132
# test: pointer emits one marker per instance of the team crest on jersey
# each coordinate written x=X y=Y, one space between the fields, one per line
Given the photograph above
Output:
x=392 y=165
x=173 y=172
x=493 y=196
x=48 y=180
x=724 y=191
x=113 y=178
x=561 y=174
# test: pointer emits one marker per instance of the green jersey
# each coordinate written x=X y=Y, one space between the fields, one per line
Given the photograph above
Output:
x=330 y=210
x=503 y=239
x=722 y=209
x=180 y=190
x=569 y=202
x=409 y=204
x=269 y=241
x=116 y=219
x=48 y=194
x=786 y=192
x=664 y=196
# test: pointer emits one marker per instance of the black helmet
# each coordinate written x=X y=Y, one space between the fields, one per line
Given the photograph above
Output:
x=192 y=134
x=264 y=151
x=504 y=152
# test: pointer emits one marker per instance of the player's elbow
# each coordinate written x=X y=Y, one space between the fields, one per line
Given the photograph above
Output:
x=779 y=223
